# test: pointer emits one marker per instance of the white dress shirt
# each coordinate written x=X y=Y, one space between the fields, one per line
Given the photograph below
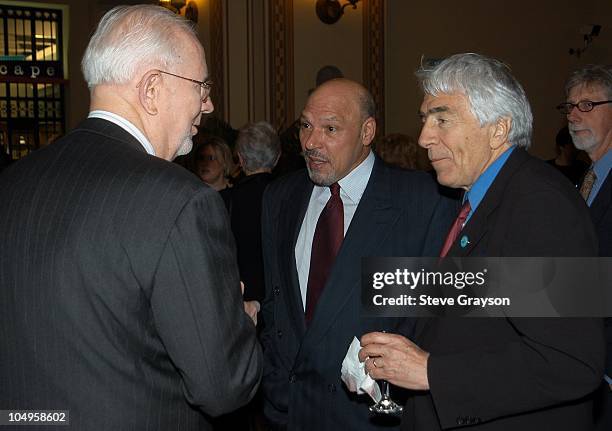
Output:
x=352 y=187
x=125 y=125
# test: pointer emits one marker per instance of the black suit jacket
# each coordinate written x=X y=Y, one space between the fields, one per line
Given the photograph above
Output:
x=400 y=214
x=119 y=292
x=511 y=374
x=601 y=214
x=243 y=202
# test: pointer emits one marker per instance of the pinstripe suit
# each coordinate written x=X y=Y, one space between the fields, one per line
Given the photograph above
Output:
x=119 y=294
x=400 y=214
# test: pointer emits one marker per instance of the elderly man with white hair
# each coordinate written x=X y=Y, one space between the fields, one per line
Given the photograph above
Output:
x=495 y=373
x=120 y=300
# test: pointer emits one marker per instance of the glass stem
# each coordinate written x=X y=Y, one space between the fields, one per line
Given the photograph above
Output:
x=385 y=389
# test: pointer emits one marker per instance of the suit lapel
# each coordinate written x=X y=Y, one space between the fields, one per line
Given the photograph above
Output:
x=478 y=225
x=369 y=228
x=601 y=203
x=295 y=207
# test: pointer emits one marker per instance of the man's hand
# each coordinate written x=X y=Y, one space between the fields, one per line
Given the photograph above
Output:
x=251 y=307
x=396 y=359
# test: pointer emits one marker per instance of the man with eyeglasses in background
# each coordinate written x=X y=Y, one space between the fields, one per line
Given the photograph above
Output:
x=120 y=298
x=588 y=108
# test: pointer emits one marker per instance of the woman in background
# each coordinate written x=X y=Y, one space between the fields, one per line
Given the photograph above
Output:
x=214 y=163
x=402 y=151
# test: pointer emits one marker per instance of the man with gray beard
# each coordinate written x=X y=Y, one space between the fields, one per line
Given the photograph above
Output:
x=317 y=224
x=589 y=115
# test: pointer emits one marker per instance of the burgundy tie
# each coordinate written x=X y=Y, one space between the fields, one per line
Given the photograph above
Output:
x=326 y=242
x=453 y=233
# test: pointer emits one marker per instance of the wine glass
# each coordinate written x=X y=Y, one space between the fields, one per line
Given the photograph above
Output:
x=386 y=405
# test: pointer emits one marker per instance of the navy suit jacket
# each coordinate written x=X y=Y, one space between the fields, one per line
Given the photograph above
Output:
x=400 y=214
x=119 y=291
x=499 y=374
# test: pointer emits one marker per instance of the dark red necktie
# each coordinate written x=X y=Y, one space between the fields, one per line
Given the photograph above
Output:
x=326 y=242
x=453 y=233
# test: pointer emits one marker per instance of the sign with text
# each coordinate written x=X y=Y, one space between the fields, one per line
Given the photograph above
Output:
x=487 y=287
x=30 y=70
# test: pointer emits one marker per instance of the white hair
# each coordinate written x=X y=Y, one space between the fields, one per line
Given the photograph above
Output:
x=259 y=146
x=490 y=88
x=129 y=38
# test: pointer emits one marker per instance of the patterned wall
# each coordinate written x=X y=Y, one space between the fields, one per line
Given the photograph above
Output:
x=217 y=56
x=281 y=59
x=374 y=56
x=281 y=67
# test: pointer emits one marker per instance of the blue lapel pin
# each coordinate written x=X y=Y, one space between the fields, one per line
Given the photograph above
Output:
x=464 y=241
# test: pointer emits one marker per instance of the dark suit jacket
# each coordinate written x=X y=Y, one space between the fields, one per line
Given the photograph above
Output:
x=243 y=202
x=119 y=293
x=511 y=374
x=601 y=214
x=400 y=214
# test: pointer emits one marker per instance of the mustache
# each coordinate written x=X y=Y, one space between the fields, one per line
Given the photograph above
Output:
x=577 y=129
x=315 y=154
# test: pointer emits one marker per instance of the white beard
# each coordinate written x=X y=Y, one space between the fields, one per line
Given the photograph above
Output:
x=185 y=147
x=585 y=143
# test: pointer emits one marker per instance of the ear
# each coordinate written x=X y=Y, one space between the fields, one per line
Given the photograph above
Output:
x=368 y=131
x=149 y=90
x=500 y=132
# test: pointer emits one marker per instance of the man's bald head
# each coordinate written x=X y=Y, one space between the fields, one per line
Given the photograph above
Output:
x=337 y=128
x=354 y=92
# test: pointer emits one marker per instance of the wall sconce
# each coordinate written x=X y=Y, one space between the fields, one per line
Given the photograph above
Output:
x=174 y=5
x=588 y=32
x=330 y=11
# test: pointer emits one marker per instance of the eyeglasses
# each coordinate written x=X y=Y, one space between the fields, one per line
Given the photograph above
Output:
x=583 y=106
x=205 y=86
x=207 y=158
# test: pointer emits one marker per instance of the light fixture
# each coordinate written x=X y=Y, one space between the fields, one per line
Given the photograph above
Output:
x=330 y=11
x=174 y=5
x=588 y=33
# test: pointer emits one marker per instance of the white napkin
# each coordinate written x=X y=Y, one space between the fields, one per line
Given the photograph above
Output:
x=354 y=375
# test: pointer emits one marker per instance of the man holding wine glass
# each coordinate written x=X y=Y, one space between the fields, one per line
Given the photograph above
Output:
x=494 y=373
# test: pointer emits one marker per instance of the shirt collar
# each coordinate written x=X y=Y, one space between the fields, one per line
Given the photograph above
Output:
x=602 y=166
x=484 y=181
x=125 y=125
x=355 y=182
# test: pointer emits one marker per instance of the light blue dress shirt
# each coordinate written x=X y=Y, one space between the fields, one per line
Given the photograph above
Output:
x=481 y=186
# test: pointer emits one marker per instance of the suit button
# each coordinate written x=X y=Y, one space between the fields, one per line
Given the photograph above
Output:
x=276 y=290
x=331 y=388
x=279 y=333
x=292 y=378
